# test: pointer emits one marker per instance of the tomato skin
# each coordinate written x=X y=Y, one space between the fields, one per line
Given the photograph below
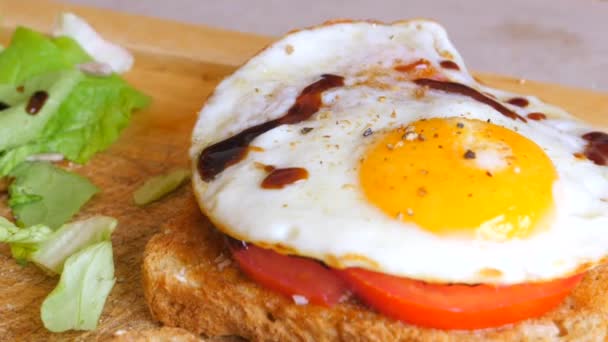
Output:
x=291 y=275
x=456 y=306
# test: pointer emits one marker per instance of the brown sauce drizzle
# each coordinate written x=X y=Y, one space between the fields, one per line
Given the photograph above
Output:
x=217 y=157
x=36 y=102
x=536 y=116
x=519 y=102
x=269 y=168
x=458 y=88
x=597 y=147
x=447 y=64
x=4 y=106
x=417 y=69
x=279 y=178
x=419 y=64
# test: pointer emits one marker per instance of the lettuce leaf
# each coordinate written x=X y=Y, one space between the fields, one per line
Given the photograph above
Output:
x=31 y=53
x=157 y=187
x=45 y=194
x=9 y=233
x=17 y=127
x=83 y=115
x=77 y=301
x=82 y=252
x=69 y=239
x=88 y=121
x=22 y=241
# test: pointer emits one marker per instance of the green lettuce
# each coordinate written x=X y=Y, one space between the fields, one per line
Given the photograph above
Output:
x=157 y=187
x=42 y=193
x=69 y=239
x=31 y=53
x=88 y=121
x=83 y=115
x=82 y=252
x=86 y=281
x=17 y=127
x=9 y=233
x=22 y=241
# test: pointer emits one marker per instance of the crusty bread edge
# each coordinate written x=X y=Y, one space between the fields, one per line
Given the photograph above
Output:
x=190 y=282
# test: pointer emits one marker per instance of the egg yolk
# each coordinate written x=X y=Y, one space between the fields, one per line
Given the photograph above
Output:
x=459 y=175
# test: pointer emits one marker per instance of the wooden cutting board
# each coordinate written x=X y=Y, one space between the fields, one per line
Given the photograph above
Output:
x=178 y=65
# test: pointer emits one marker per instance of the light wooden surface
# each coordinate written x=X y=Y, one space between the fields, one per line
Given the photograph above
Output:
x=557 y=41
x=178 y=65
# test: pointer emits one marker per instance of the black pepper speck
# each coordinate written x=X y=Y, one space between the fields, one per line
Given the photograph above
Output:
x=469 y=155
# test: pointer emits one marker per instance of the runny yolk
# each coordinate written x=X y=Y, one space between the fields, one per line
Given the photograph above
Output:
x=460 y=176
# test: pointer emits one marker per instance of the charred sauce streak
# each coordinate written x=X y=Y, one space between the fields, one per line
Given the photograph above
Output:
x=4 y=106
x=458 y=88
x=217 y=157
x=269 y=168
x=447 y=64
x=279 y=178
x=36 y=102
x=519 y=102
x=536 y=116
x=597 y=147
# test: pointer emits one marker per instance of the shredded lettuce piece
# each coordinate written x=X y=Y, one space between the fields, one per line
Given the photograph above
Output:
x=157 y=187
x=82 y=252
x=86 y=281
x=88 y=121
x=31 y=53
x=85 y=108
x=22 y=241
x=17 y=127
x=83 y=115
x=115 y=56
x=45 y=194
x=71 y=238
x=9 y=233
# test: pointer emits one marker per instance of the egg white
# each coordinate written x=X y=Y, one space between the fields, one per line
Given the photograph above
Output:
x=327 y=216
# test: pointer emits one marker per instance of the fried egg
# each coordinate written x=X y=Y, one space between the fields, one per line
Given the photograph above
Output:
x=363 y=144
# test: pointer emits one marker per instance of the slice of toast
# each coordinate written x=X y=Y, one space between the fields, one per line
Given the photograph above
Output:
x=190 y=281
x=157 y=335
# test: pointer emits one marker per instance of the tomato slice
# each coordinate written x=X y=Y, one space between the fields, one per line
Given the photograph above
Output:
x=456 y=306
x=291 y=275
x=430 y=305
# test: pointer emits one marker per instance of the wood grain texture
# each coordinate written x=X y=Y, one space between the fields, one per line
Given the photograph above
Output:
x=178 y=65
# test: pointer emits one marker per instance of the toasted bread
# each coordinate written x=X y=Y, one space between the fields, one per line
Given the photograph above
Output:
x=190 y=281
x=4 y=183
x=156 y=335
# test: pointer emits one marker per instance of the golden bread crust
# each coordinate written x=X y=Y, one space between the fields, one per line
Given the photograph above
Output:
x=191 y=282
x=157 y=335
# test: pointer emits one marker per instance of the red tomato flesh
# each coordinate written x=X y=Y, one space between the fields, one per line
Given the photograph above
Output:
x=291 y=275
x=457 y=306
x=430 y=305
